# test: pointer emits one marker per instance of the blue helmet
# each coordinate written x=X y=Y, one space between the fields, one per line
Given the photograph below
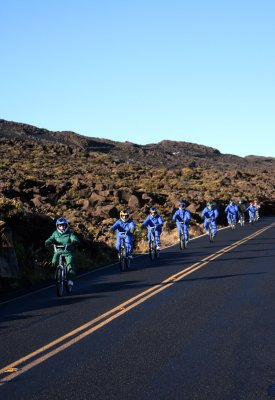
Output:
x=182 y=204
x=62 y=225
x=153 y=211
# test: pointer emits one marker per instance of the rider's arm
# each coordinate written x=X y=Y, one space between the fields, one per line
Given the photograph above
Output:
x=50 y=240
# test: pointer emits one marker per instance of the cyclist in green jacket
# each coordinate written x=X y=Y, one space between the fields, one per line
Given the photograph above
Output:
x=64 y=236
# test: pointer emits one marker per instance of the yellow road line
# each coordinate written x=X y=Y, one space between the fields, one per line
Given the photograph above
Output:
x=107 y=317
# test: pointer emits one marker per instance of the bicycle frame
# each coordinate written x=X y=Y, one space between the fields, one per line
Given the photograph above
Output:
x=232 y=222
x=124 y=261
x=183 y=241
x=153 y=252
x=210 y=230
x=241 y=219
x=61 y=272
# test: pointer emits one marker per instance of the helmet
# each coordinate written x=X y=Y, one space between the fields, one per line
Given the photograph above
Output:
x=124 y=215
x=62 y=225
x=182 y=204
x=209 y=204
x=153 y=211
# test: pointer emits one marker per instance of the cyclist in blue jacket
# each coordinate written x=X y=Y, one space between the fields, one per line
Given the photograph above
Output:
x=252 y=211
x=232 y=211
x=182 y=216
x=210 y=214
x=124 y=224
x=154 y=220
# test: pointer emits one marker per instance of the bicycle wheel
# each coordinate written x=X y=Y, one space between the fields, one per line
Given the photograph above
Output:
x=210 y=234
x=182 y=241
x=151 y=250
x=68 y=288
x=122 y=259
x=59 y=281
x=156 y=251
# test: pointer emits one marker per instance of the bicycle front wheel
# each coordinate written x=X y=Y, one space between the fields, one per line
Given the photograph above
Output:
x=122 y=259
x=59 y=281
x=151 y=250
x=182 y=241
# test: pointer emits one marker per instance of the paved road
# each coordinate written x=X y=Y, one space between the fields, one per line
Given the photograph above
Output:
x=197 y=324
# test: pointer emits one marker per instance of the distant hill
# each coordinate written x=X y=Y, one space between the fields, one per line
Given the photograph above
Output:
x=167 y=153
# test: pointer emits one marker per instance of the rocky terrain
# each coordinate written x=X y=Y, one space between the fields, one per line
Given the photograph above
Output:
x=46 y=174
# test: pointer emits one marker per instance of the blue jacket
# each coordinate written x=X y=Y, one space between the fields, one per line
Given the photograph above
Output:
x=251 y=209
x=232 y=209
x=153 y=221
x=210 y=213
x=120 y=226
x=182 y=216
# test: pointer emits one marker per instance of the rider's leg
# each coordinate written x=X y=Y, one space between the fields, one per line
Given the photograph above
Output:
x=214 y=227
x=186 y=232
x=157 y=235
x=206 y=225
x=129 y=244
x=70 y=265
x=179 y=228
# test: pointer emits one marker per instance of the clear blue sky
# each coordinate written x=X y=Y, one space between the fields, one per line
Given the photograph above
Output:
x=200 y=71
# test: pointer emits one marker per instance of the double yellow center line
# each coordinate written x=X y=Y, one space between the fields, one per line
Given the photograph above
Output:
x=24 y=364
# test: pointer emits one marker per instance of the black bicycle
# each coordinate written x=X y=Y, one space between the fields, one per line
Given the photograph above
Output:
x=124 y=259
x=153 y=250
x=241 y=219
x=252 y=218
x=61 y=274
x=210 y=230
x=232 y=222
x=183 y=239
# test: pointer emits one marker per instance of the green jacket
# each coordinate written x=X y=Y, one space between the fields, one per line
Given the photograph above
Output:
x=63 y=238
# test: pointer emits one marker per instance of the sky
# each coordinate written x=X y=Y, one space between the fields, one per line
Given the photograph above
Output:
x=200 y=71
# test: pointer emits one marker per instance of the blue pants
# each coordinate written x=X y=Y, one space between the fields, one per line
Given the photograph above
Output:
x=213 y=224
x=229 y=216
x=252 y=215
x=185 y=230
x=128 y=242
x=157 y=235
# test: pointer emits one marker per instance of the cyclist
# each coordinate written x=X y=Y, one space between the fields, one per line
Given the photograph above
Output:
x=124 y=224
x=182 y=216
x=210 y=214
x=64 y=236
x=252 y=210
x=242 y=209
x=154 y=220
x=257 y=205
x=232 y=211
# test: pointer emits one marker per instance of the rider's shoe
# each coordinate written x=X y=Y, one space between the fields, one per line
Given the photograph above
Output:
x=207 y=232
x=118 y=255
x=70 y=283
x=130 y=256
x=158 y=247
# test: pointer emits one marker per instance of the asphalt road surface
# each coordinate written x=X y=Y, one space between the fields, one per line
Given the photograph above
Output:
x=194 y=324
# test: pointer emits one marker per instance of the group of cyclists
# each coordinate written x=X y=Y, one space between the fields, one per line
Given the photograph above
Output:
x=125 y=226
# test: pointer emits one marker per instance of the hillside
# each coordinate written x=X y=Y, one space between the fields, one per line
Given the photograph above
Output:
x=47 y=174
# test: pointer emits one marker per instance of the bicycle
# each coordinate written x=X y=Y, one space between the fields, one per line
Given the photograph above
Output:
x=232 y=222
x=124 y=260
x=241 y=219
x=61 y=279
x=183 y=240
x=153 y=251
x=252 y=219
x=210 y=230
